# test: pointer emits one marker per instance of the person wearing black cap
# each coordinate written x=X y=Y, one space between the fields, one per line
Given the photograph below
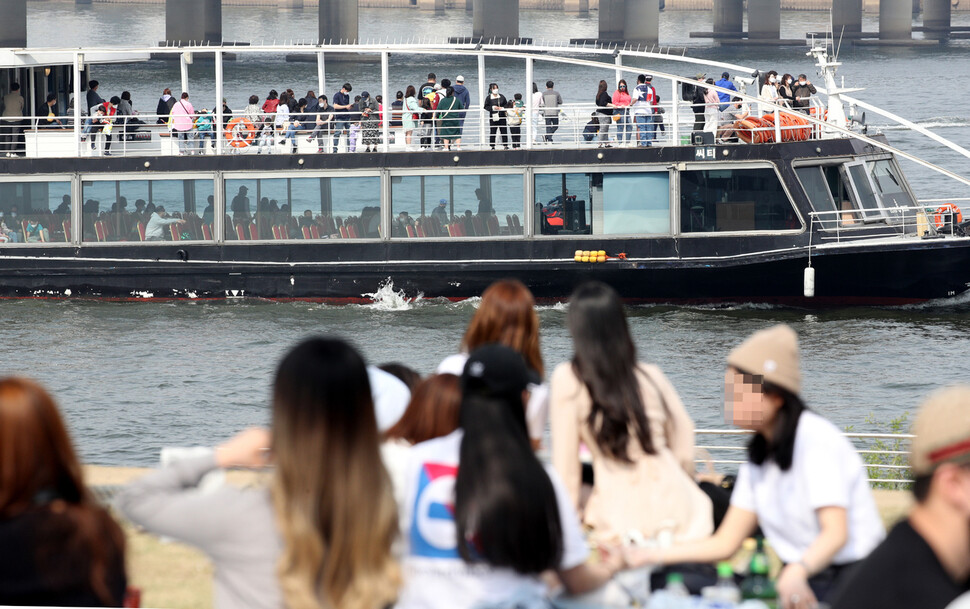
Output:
x=480 y=532
x=725 y=98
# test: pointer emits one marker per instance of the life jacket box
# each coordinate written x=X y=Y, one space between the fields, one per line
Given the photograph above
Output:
x=702 y=138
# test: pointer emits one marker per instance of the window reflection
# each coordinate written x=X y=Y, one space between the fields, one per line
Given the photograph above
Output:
x=734 y=200
x=303 y=208
x=147 y=210
x=35 y=212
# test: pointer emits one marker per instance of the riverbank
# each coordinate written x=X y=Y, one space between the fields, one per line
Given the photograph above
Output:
x=175 y=576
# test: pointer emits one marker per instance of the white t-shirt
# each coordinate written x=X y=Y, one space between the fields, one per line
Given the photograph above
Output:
x=960 y=602
x=536 y=411
x=435 y=576
x=826 y=471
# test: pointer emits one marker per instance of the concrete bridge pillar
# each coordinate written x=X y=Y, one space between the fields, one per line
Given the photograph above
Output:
x=338 y=21
x=576 y=6
x=496 y=19
x=612 y=14
x=437 y=6
x=193 y=21
x=13 y=26
x=895 y=19
x=289 y=3
x=846 y=17
x=641 y=21
x=764 y=19
x=936 y=18
x=728 y=16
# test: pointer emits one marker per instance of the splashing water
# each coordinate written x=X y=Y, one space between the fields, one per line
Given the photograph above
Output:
x=386 y=298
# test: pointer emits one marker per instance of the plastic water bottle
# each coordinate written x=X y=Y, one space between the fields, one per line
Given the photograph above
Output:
x=725 y=594
x=674 y=596
x=675 y=586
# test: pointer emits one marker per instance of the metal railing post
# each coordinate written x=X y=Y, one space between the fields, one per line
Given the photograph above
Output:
x=220 y=115
x=77 y=104
x=530 y=123
x=481 y=99
x=386 y=112
x=674 y=114
x=777 y=126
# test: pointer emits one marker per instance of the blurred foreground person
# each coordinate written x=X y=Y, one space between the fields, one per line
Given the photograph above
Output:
x=485 y=517
x=804 y=483
x=58 y=546
x=319 y=534
x=507 y=316
x=925 y=560
x=632 y=420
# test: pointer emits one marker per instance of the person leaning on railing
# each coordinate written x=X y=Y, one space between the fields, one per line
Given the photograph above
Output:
x=925 y=560
x=804 y=483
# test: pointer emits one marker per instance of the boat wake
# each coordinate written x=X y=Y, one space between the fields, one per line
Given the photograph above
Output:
x=386 y=298
x=936 y=122
x=959 y=301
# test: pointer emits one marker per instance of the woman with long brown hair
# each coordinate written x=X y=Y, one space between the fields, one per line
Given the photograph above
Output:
x=320 y=535
x=58 y=546
x=507 y=316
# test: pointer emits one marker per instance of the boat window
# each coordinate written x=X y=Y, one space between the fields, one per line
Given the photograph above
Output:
x=456 y=205
x=128 y=210
x=819 y=193
x=862 y=189
x=602 y=203
x=303 y=208
x=35 y=212
x=734 y=200
x=889 y=184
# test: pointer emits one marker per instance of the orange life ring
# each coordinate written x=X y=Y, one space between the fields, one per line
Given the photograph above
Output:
x=240 y=132
x=945 y=212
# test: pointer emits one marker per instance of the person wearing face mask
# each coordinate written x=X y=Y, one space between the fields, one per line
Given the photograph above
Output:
x=769 y=92
x=803 y=483
x=495 y=106
x=802 y=91
x=925 y=560
x=785 y=90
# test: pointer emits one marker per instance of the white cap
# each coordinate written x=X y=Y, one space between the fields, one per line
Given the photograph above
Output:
x=459 y=78
x=437 y=86
x=391 y=397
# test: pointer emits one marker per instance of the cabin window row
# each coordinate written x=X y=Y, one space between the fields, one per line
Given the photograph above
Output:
x=421 y=207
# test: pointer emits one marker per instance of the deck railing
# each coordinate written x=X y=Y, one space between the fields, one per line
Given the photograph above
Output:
x=885 y=455
x=929 y=218
x=572 y=125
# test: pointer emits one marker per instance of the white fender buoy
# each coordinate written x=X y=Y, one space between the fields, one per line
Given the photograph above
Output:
x=809 y=282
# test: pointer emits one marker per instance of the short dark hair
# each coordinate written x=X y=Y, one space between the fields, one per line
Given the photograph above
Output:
x=126 y=95
x=347 y=87
x=115 y=100
x=254 y=99
x=92 y=84
x=185 y=95
x=51 y=97
x=550 y=84
x=431 y=76
x=399 y=95
x=323 y=97
x=802 y=76
x=445 y=83
x=15 y=86
x=517 y=96
x=642 y=78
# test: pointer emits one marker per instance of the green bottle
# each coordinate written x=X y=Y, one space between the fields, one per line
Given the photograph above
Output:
x=757 y=584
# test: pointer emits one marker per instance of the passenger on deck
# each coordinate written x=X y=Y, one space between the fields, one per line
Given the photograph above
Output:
x=484 y=203
x=737 y=110
x=711 y=104
x=725 y=83
x=474 y=496
x=317 y=530
x=240 y=206
x=925 y=560
x=322 y=124
x=769 y=92
x=633 y=422
x=342 y=108
x=93 y=97
x=165 y=103
x=65 y=206
x=802 y=91
x=697 y=100
x=12 y=124
x=591 y=128
x=785 y=90
x=47 y=114
x=155 y=229
x=60 y=547
x=205 y=126
x=550 y=100
x=182 y=114
x=804 y=484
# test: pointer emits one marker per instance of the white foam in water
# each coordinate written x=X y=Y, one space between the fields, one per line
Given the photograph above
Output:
x=937 y=122
x=387 y=299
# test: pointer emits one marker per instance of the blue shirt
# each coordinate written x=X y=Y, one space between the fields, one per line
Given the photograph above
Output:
x=341 y=99
x=727 y=84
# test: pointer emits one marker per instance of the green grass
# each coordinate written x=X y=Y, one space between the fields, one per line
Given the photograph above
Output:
x=898 y=479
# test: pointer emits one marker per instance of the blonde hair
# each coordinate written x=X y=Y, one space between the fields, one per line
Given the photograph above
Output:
x=332 y=496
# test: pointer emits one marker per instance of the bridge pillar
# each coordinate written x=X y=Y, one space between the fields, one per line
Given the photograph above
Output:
x=612 y=14
x=193 y=21
x=289 y=3
x=495 y=19
x=576 y=6
x=338 y=21
x=13 y=26
x=846 y=17
x=764 y=19
x=936 y=18
x=641 y=22
x=895 y=20
x=729 y=16
x=437 y=6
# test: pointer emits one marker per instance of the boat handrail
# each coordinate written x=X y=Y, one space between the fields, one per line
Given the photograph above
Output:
x=884 y=454
x=914 y=220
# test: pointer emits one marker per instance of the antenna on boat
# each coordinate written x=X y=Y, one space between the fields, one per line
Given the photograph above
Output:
x=839 y=48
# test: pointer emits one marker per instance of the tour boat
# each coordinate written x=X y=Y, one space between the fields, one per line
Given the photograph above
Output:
x=804 y=209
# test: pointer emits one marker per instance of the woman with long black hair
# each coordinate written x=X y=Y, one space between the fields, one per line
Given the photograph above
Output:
x=632 y=420
x=486 y=518
x=604 y=112
x=804 y=483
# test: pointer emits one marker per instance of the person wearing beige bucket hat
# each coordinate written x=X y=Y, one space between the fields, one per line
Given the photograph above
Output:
x=925 y=560
x=804 y=483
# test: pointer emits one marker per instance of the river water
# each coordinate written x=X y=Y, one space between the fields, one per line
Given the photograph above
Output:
x=133 y=377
